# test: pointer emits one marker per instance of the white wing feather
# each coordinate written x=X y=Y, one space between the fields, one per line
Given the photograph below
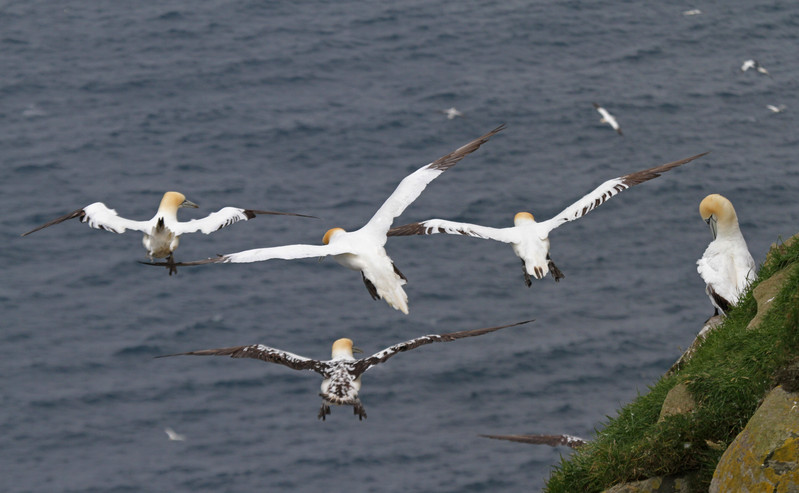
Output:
x=285 y=252
x=98 y=216
x=433 y=226
x=213 y=222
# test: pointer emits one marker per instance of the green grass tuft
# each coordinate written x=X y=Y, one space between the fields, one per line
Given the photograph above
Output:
x=728 y=376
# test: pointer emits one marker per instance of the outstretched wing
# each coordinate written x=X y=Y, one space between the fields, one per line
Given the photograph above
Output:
x=412 y=185
x=607 y=190
x=224 y=217
x=364 y=364
x=263 y=353
x=98 y=216
x=285 y=252
x=433 y=226
x=551 y=440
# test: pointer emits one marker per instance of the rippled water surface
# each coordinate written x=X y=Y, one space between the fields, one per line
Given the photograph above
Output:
x=322 y=108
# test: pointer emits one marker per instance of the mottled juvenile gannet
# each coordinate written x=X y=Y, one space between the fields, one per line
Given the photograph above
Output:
x=726 y=266
x=162 y=232
x=551 y=440
x=608 y=118
x=342 y=373
x=362 y=250
x=755 y=65
x=530 y=239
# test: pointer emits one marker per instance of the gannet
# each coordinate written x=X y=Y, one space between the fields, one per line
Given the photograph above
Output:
x=755 y=65
x=530 y=239
x=551 y=440
x=162 y=232
x=726 y=266
x=608 y=118
x=776 y=109
x=362 y=250
x=452 y=113
x=173 y=435
x=342 y=373
x=691 y=12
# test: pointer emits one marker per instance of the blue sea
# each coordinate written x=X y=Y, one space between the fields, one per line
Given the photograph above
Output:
x=321 y=108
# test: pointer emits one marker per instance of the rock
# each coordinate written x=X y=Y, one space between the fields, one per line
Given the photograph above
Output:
x=678 y=401
x=765 y=455
x=765 y=292
x=709 y=326
x=669 y=484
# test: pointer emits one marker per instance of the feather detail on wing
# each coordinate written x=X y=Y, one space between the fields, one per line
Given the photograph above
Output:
x=263 y=353
x=608 y=189
x=223 y=217
x=433 y=226
x=98 y=216
x=364 y=364
x=414 y=184
x=285 y=252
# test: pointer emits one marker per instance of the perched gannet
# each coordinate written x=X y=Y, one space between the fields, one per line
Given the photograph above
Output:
x=162 y=232
x=551 y=440
x=776 y=109
x=530 y=239
x=608 y=118
x=173 y=435
x=452 y=113
x=726 y=266
x=362 y=250
x=342 y=373
x=755 y=65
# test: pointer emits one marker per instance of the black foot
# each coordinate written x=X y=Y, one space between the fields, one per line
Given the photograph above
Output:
x=370 y=287
x=359 y=411
x=556 y=273
x=527 y=279
x=170 y=265
x=324 y=411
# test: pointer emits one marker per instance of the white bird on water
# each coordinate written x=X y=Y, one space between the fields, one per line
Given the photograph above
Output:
x=608 y=118
x=754 y=64
x=727 y=267
x=530 y=239
x=452 y=113
x=362 y=250
x=342 y=373
x=162 y=232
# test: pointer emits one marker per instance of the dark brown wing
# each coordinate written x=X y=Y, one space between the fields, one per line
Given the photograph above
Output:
x=213 y=260
x=72 y=215
x=263 y=353
x=250 y=213
x=364 y=364
x=551 y=440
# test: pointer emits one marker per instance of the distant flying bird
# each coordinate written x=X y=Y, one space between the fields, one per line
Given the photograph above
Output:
x=452 y=113
x=748 y=64
x=726 y=266
x=342 y=373
x=530 y=239
x=162 y=232
x=551 y=440
x=608 y=118
x=362 y=250
x=177 y=437
x=691 y=12
x=776 y=109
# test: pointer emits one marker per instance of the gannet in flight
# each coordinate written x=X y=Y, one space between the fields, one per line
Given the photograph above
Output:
x=608 y=118
x=691 y=12
x=452 y=113
x=173 y=435
x=362 y=250
x=162 y=232
x=726 y=266
x=551 y=440
x=776 y=109
x=342 y=373
x=530 y=239
x=755 y=65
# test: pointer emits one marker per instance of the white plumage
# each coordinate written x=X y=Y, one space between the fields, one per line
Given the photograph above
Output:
x=608 y=118
x=727 y=267
x=530 y=239
x=363 y=250
x=342 y=373
x=162 y=232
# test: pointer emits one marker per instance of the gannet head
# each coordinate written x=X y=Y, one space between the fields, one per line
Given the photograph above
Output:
x=172 y=201
x=717 y=211
x=523 y=218
x=330 y=233
x=343 y=348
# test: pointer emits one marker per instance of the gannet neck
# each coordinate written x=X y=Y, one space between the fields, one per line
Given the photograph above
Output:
x=717 y=211
x=342 y=349
x=523 y=218
x=330 y=234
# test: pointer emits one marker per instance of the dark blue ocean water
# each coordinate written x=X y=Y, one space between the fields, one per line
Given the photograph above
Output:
x=322 y=108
